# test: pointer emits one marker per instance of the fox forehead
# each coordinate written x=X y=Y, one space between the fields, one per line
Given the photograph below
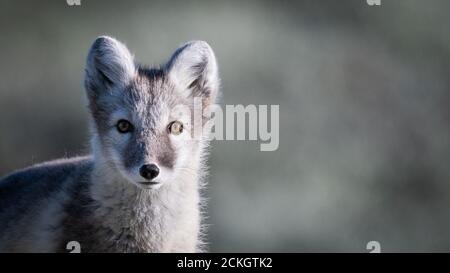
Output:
x=150 y=96
x=150 y=87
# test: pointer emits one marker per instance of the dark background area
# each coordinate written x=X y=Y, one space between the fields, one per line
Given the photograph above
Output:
x=364 y=110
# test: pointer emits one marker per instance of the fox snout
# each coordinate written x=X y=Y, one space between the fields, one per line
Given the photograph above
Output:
x=149 y=171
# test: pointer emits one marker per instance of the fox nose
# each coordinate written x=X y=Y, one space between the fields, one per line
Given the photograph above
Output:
x=149 y=171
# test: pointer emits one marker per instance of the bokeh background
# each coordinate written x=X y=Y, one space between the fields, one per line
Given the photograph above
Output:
x=364 y=95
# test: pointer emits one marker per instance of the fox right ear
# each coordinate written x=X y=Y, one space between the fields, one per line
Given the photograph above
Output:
x=109 y=64
x=193 y=68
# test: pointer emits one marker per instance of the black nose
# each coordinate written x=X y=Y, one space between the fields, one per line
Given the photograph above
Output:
x=149 y=171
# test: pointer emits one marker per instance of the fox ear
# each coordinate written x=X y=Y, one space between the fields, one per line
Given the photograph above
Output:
x=109 y=64
x=194 y=69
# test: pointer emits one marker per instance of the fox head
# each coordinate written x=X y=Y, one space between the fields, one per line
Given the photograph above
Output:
x=143 y=121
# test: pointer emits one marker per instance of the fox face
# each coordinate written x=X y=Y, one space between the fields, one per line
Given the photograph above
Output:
x=144 y=124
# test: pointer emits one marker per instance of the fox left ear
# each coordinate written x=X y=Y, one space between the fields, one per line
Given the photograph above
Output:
x=193 y=69
x=109 y=64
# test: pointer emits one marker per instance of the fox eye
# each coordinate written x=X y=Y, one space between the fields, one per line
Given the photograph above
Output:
x=175 y=128
x=124 y=126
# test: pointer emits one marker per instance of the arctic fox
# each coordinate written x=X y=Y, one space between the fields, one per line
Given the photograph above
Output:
x=139 y=190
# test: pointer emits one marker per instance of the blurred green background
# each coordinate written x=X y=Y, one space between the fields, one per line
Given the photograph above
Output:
x=364 y=95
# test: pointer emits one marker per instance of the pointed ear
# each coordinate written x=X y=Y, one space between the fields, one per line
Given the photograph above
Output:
x=109 y=64
x=193 y=69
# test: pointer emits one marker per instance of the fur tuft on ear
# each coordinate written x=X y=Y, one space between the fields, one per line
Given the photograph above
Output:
x=194 y=69
x=109 y=64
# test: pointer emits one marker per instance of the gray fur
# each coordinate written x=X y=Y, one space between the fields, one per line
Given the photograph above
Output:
x=98 y=200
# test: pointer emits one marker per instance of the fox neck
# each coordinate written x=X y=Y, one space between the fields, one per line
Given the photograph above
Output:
x=143 y=218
